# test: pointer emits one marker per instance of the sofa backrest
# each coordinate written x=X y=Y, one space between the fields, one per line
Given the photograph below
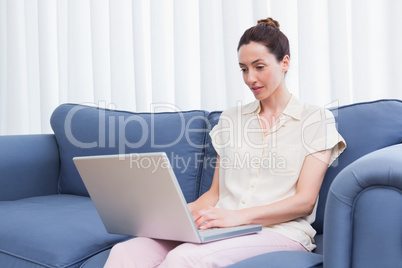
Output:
x=83 y=130
x=366 y=127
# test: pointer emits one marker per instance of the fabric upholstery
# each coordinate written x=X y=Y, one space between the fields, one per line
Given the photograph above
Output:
x=51 y=231
x=366 y=127
x=363 y=213
x=97 y=261
x=29 y=166
x=82 y=130
x=210 y=156
x=47 y=220
x=281 y=259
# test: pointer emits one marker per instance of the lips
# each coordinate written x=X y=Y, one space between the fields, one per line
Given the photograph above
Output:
x=256 y=89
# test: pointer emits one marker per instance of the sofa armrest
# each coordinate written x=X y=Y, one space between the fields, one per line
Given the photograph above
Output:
x=363 y=213
x=29 y=166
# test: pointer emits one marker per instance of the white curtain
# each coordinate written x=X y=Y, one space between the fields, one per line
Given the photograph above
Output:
x=154 y=55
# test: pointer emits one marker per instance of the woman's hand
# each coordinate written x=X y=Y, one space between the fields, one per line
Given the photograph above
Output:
x=216 y=217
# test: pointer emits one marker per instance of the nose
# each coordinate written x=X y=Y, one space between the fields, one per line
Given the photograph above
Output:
x=251 y=78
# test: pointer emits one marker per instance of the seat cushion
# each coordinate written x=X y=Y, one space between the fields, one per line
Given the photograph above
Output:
x=51 y=231
x=97 y=261
x=319 y=242
x=280 y=259
x=83 y=130
x=313 y=260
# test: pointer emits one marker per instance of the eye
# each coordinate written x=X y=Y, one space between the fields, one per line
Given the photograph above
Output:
x=260 y=67
x=243 y=70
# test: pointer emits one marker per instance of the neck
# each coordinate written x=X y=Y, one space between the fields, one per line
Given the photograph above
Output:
x=276 y=103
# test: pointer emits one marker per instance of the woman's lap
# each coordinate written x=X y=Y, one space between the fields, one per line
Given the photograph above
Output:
x=139 y=252
x=145 y=252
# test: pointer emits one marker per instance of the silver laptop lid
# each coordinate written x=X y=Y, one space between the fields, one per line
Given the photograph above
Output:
x=127 y=191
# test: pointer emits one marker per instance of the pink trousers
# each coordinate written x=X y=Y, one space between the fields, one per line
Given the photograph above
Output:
x=147 y=252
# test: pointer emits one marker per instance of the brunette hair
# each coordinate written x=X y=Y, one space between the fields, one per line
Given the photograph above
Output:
x=267 y=33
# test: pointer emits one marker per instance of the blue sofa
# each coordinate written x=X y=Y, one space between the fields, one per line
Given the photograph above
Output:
x=48 y=220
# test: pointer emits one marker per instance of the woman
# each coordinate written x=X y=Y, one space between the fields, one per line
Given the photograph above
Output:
x=272 y=157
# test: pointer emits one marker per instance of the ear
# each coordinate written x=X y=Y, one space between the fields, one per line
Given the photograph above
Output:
x=285 y=63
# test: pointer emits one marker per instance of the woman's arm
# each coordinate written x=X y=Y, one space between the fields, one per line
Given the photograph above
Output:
x=299 y=205
x=210 y=197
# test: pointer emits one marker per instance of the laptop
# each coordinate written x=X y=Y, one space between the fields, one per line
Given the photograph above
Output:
x=139 y=195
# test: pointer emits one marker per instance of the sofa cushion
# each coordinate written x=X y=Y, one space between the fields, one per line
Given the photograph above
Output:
x=209 y=156
x=51 y=231
x=281 y=259
x=366 y=127
x=83 y=130
x=97 y=261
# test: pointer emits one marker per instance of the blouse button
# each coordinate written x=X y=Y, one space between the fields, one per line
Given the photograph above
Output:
x=243 y=201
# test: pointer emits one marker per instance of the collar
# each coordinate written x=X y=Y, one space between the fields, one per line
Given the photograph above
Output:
x=253 y=107
x=293 y=109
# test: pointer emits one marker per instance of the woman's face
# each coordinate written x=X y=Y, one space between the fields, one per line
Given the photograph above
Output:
x=262 y=73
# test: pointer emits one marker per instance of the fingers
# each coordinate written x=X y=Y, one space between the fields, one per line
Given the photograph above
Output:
x=204 y=218
x=208 y=224
x=215 y=217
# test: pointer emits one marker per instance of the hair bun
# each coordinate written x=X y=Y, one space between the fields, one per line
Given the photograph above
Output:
x=270 y=22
